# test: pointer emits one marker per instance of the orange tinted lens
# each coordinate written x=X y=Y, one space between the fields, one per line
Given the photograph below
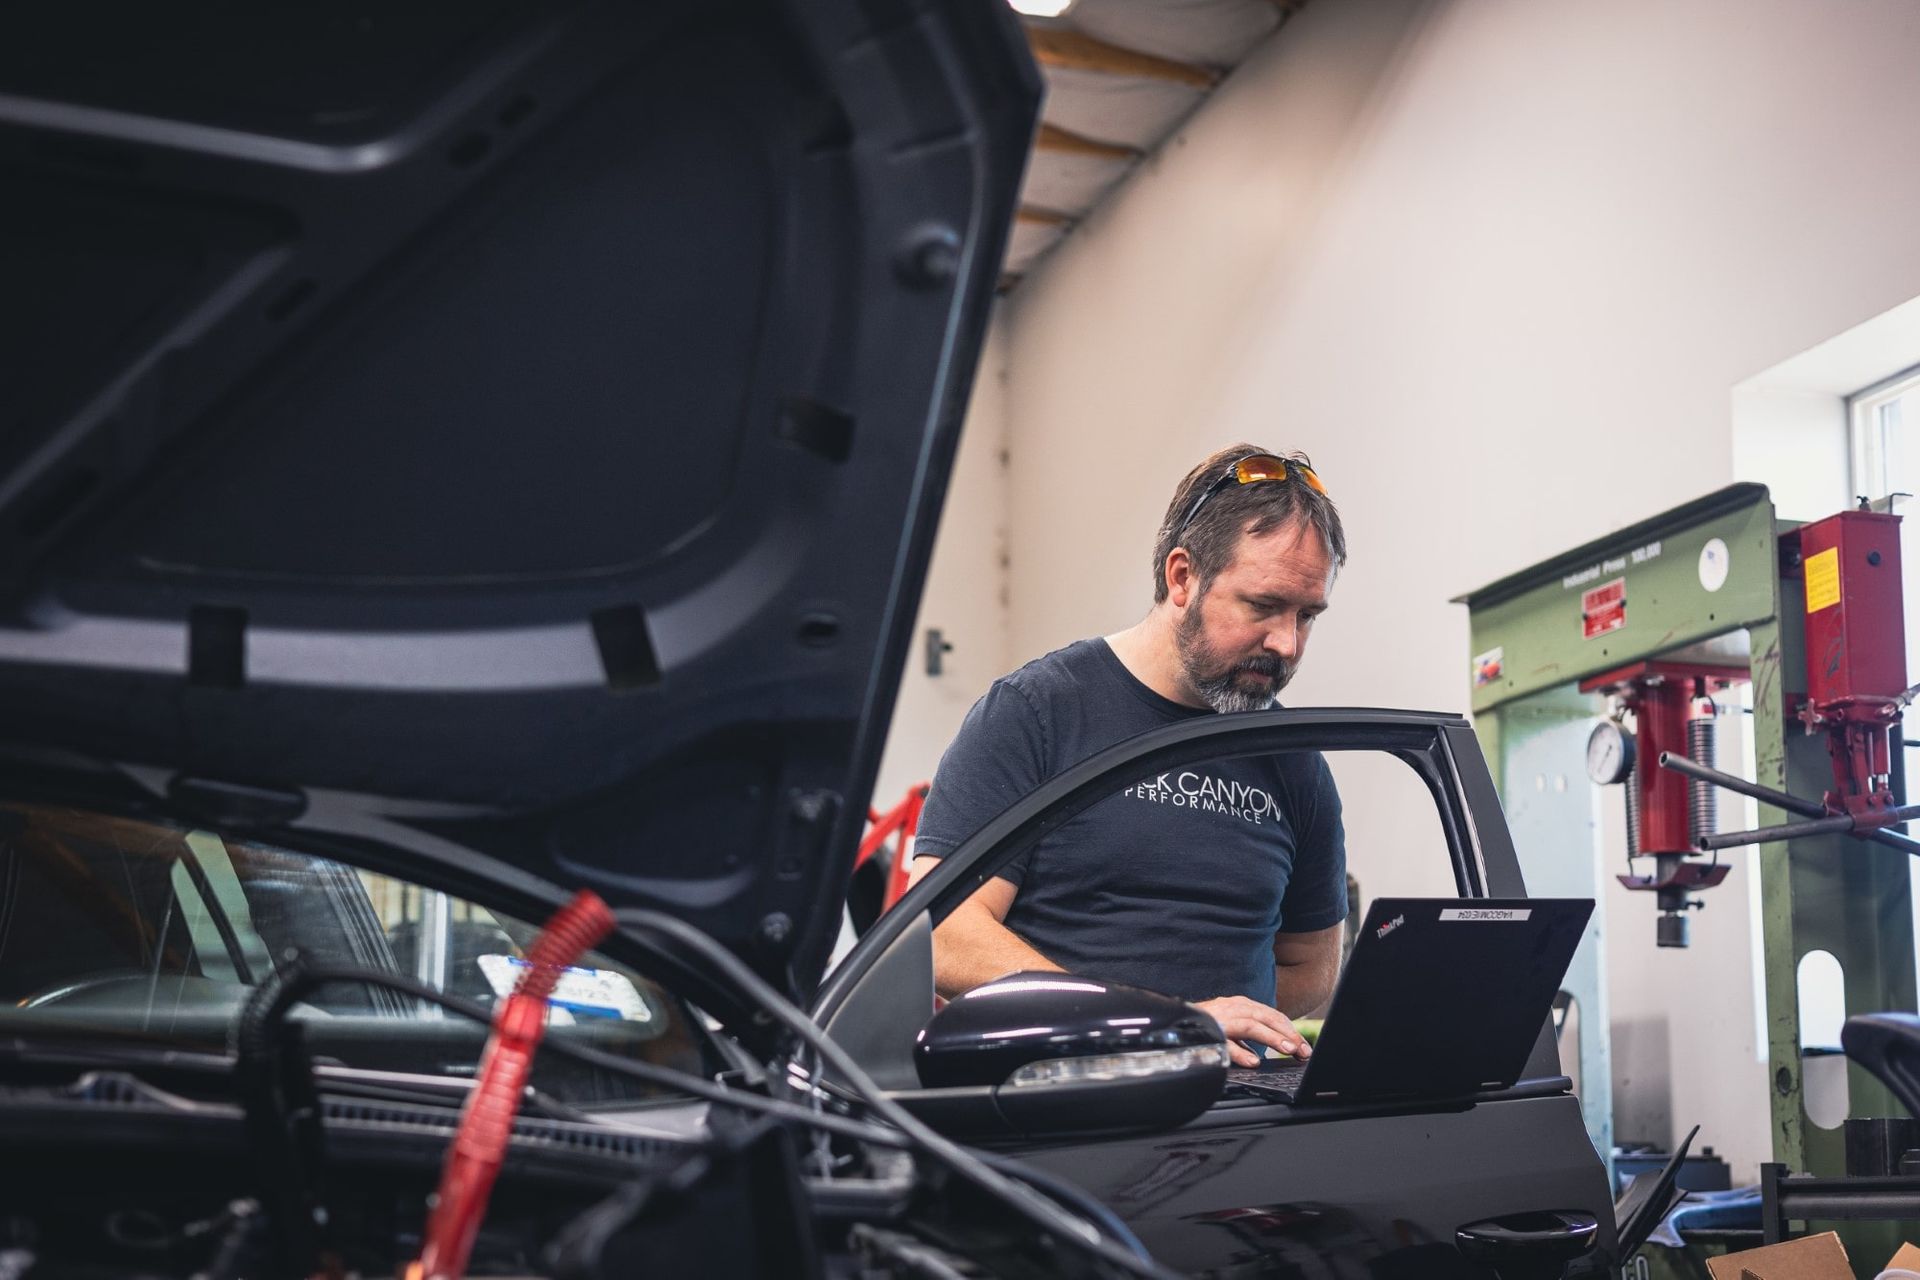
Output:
x=1313 y=481
x=1261 y=466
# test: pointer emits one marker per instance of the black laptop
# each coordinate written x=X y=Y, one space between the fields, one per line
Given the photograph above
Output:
x=1442 y=998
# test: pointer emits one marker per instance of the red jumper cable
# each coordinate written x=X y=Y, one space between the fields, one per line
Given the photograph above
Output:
x=480 y=1145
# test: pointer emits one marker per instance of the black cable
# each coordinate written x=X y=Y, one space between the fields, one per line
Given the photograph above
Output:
x=273 y=1074
x=1029 y=1203
x=1032 y=1205
x=1080 y=1200
x=664 y=1077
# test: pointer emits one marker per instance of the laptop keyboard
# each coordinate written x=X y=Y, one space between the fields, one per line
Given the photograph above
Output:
x=1278 y=1078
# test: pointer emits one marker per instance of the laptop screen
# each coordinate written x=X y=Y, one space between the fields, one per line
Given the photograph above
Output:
x=1443 y=997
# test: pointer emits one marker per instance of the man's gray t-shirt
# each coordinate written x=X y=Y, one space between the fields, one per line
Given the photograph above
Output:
x=1177 y=883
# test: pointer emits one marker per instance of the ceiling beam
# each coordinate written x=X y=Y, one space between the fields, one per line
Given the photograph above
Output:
x=1059 y=141
x=1040 y=217
x=1070 y=50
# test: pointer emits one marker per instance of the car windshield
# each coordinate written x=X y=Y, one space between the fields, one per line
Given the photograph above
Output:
x=130 y=930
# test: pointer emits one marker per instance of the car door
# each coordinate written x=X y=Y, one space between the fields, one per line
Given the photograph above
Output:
x=1253 y=1187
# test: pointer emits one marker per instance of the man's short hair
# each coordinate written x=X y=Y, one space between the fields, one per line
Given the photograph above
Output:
x=1258 y=508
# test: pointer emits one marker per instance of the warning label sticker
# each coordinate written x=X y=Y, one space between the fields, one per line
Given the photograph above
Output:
x=1823 y=580
x=1489 y=666
x=1604 y=608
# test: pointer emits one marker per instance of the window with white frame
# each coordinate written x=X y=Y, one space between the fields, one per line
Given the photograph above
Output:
x=1885 y=422
x=1886 y=463
x=1886 y=455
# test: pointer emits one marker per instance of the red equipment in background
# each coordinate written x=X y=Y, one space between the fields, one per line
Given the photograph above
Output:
x=1855 y=640
x=880 y=868
x=1856 y=654
x=1671 y=708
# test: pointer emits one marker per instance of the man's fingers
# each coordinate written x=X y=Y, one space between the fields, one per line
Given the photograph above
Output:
x=1287 y=1038
x=1290 y=1033
x=1267 y=1034
x=1244 y=1019
x=1242 y=1057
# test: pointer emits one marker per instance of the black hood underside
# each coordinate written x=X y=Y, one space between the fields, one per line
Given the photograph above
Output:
x=503 y=438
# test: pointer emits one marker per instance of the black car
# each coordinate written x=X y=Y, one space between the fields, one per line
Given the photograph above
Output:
x=455 y=455
x=1250 y=1186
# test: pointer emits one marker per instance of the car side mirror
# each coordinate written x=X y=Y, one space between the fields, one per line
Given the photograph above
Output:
x=1065 y=1054
x=1888 y=1045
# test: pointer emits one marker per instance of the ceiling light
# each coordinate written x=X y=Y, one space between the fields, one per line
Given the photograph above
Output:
x=1041 y=8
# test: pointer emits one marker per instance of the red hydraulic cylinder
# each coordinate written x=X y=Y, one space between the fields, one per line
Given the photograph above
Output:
x=1666 y=699
x=1856 y=651
x=1856 y=629
x=1661 y=712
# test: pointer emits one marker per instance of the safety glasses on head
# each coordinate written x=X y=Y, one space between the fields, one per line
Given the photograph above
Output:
x=1253 y=469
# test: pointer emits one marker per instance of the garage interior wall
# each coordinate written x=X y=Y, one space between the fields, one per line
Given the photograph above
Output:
x=966 y=591
x=1498 y=266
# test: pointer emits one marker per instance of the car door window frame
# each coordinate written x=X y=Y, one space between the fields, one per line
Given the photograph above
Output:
x=1441 y=749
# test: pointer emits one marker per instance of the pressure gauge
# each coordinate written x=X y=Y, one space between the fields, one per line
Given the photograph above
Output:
x=1609 y=754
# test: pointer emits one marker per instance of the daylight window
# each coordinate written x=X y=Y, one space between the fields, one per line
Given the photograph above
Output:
x=1884 y=419
x=1885 y=423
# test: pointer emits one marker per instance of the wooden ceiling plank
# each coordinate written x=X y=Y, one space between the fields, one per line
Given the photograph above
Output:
x=1070 y=50
x=1062 y=142
x=1038 y=216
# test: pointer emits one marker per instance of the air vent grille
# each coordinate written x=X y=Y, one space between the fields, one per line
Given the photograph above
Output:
x=583 y=1138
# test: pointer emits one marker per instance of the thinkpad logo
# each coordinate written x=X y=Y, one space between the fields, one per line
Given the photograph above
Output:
x=1390 y=926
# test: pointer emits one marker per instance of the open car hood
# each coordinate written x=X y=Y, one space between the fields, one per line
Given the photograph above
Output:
x=505 y=438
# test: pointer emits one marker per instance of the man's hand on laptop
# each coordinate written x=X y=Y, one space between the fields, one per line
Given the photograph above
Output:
x=1249 y=1020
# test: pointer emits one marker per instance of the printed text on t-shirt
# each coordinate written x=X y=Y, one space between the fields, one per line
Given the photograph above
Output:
x=1191 y=790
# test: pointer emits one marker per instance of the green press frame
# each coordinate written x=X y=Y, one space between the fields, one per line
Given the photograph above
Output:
x=1834 y=893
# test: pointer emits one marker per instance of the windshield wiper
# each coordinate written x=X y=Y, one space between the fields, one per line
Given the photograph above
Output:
x=230 y=940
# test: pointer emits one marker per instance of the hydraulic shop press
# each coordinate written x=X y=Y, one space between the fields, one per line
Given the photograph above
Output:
x=1658 y=633
x=1657 y=709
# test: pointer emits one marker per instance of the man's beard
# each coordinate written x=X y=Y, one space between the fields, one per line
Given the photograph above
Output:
x=1223 y=685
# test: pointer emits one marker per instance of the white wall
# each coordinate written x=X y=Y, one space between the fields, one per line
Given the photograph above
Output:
x=1795 y=441
x=1802 y=401
x=966 y=592
x=1498 y=265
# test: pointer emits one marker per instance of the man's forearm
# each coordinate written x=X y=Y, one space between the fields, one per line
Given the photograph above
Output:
x=1299 y=989
x=971 y=947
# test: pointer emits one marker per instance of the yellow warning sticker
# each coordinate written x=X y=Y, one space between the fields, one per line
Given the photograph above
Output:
x=1823 y=580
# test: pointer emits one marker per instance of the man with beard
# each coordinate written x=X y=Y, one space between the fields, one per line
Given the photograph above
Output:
x=1222 y=883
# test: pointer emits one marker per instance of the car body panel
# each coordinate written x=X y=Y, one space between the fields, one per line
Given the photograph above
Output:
x=1357 y=1197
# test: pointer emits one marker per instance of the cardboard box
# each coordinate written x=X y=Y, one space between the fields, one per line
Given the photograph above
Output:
x=1818 y=1257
